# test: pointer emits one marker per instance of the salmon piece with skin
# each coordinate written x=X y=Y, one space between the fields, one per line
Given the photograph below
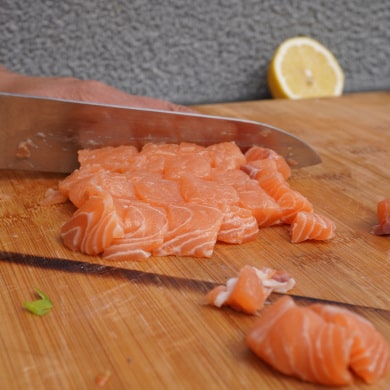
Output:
x=192 y=230
x=144 y=228
x=249 y=290
x=319 y=343
x=93 y=226
x=311 y=226
x=383 y=213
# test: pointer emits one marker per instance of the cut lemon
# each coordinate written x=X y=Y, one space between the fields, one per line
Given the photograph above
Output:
x=301 y=68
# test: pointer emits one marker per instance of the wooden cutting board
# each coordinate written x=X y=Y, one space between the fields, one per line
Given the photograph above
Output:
x=146 y=322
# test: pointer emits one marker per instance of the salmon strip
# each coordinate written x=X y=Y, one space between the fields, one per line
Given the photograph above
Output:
x=249 y=290
x=311 y=226
x=320 y=343
x=93 y=226
x=383 y=213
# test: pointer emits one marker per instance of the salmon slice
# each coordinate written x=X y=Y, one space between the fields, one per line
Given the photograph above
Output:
x=249 y=290
x=383 y=213
x=370 y=353
x=238 y=225
x=258 y=154
x=319 y=343
x=226 y=155
x=144 y=228
x=311 y=226
x=192 y=230
x=94 y=226
x=111 y=158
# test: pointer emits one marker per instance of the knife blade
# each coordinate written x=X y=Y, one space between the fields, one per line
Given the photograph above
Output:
x=44 y=134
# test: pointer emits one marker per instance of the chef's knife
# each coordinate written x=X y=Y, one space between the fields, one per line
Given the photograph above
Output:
x=44 y=134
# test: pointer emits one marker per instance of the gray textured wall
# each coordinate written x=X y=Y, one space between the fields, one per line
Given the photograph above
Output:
x=191 y=51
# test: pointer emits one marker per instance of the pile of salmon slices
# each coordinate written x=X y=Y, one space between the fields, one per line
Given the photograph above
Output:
x=180 y=199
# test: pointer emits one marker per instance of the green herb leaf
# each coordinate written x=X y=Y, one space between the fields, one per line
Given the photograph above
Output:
x=41 y=306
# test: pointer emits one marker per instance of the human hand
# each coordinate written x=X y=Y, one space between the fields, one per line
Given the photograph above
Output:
x=75 y=89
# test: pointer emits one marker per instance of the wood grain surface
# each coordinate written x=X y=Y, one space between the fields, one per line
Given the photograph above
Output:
x=146 y=322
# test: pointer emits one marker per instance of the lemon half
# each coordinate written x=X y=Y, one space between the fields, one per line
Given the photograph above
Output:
x=302 y=68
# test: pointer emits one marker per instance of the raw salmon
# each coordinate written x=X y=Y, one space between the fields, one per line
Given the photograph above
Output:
x=158 y=191
x=263 y=207
x=192 y=230
x=240 y=193
x=383 y=213
x=238 y=225
x=226 y=155
x=265 y=159
x=144 y=228
x=319 y=343
x=311 y=226
x=111 y=158
x=249 y=290
x=198 y=164
x=94 y=226
x=290 y=200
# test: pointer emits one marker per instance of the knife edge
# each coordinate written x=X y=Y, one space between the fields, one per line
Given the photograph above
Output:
x=44 y=134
